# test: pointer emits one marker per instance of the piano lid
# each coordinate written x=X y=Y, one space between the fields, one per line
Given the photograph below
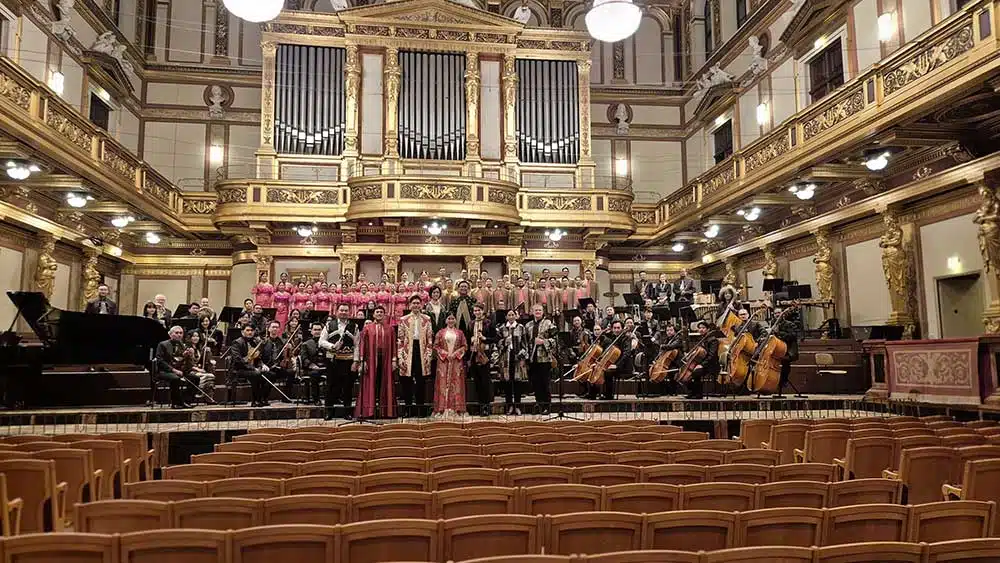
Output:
x=83 y=338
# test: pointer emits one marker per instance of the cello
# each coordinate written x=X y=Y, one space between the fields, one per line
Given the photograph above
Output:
x=610 y=358
x=658 y=372
x=740 y=354
x=585 y=366
x=695 y=357
x=765 y=365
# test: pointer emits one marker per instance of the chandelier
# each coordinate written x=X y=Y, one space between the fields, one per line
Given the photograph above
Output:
x=256 y=11
x=613 y=20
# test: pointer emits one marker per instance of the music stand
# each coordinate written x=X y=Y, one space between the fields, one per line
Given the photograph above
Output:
x=633 y=299
x=181 y=311
x=499 y=318
x=800 y=291
x=563 y=338
x=187 y=324
x=773 y=285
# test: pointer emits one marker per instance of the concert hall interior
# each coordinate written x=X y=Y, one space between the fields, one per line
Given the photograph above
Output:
x=245 y=244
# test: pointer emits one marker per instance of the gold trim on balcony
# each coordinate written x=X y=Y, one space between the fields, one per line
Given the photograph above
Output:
x=373 y=197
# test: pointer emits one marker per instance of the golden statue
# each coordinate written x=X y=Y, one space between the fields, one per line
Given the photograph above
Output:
x=988 y=219
x=824 y=268
x=730 y=277
x=45 y=271
x=770 y=263
x=895 y=264
x=91 y=277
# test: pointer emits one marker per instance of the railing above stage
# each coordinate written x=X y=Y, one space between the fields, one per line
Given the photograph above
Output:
x=414 y=195
x=239 y=201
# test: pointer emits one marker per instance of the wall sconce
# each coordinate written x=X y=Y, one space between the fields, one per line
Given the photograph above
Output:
x=762 y=114
x=621 y=166
x=216 y=154
x=886 y=26
x=57 y=82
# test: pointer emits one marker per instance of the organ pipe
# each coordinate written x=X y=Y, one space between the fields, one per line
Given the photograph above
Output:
x=432 y=112
x=548 y=112
x=310 y=104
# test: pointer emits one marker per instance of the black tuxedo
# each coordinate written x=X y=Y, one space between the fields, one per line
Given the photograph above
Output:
x=437 y=321
x=168 y=354
x=101 y=307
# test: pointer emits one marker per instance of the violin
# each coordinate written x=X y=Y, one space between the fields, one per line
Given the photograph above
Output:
x=253 y=354
x=765 y=365
x=290 y=353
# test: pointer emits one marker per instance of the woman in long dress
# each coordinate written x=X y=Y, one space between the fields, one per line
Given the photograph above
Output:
x=449 y=385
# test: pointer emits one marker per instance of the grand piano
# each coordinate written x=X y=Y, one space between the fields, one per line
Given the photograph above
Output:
x=77 y=355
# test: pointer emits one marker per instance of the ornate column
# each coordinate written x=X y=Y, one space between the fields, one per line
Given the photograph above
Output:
x=588 y=265
x=472 y=84
x=730 y=277
x=508 y=81
x=514 y=265
x=349 y=266
x=264 y=264
x=352 y=91
x=267 y=161
x=91 y=277
x=988 y=220
x=221 y=51
x=390 y=85
x=45 y=269
x=390 y=265
x=824 y=267
x=896 y=267
x=473 y=265
x=770 y=262
x=586 y=167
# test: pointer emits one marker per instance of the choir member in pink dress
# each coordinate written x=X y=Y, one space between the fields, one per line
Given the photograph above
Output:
x=425 y=281
x=319 y=283
x=449 y=385
x=282 y=302
x=351 y=298
x=263 y=292
x=322 y=298
x=399 y=302
x=302 y=294
x=335 y=297
x=383 y=297
x=283 y=282
x=363 y=297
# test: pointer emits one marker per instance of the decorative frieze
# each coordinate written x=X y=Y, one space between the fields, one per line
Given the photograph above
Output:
x=851 y=104
x=366 y=192
x=928 y=60
x=435 y=191
x=232 y=195
x=559 y=203
x=767 y=152
x=120 y=162
x=198 y=206
x=67 y=127
x=303 y=196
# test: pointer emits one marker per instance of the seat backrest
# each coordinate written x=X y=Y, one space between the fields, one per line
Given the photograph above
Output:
x=75 y=467
x=865 y=491
x=823 y=472
x=730 y=497
x=866 y=523
x=198 y=472
x=667 y=445
x=136 y=447
x=74 y=547
x=223 y=458
x=691 y=530
x=951 y=520
x=271 y=469
x=348 y=467
x=867 y=457
x=562 y=447
x=217 y=513
x=673 y=474
x=388 y=540
x=339 y=454
x=781 y=526
x=393 y=481
x=470 y=501
x=615 y=446
x=642 y=498
x=321 y=485
x=699 y=457
x=888 y=552
x=164 y=490
x=757 y=456
x=109 y=457
x=923 y=471
x=458 y=461
x=291 y=456
x=822 y=446
x=392 y=504
x=982 y=480
x=121 y=516
x=739 y=473
x=466 y=477
x=582 y=458
x=982 y=550
x=966 y=454
x=784 y=554
x=595 y=532
x=717 y=444
x=561 y=499
x=496 y=535
x=641 y=458
x=160 y=546
x=396 y=464
x=244 y=447
x=396 y=452
x=781 y=494
x=452 y=449
x=245 y=487
x=34 y=482
x=607 y=474
x=290 y=542
x=539 y=475
x=753 y=432
x=787 y=437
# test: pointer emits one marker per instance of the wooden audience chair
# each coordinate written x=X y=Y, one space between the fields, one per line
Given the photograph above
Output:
x=471 y=501
x=348 y=467
x=641 y=458
x=325 y=510
x=539 y=475
x=786 y=438
x=396 y=452
x=399 y=439
x=641 y=437
x=961 y=440
x=136 y=447
x=966 y=454
x=458 y=461
x=43 y=507
x=393 y=481
x=582 y=458
x=337 y=443
x=914 y=432
x=466 y=477
x=646 y=556
x=866 y=523
x=980 y=482
x=642 y=498
x=823 y=472
x=595 y=437
x=615 y=446
x=198 y=472
x=739 y=473
x=552 y=448
x=689 y=436
x=781 y=526
x=923 y=471
x=356 y=433
x=392 y=504
x=666 y=445
x=866 y=458
x=595 y=532
x=690 y=530
x=452 y=449
x=504 y=439
x=339 y=454
x=753 y=455
x=606 y=475
x=388 y=540
x=561 y=499
x=216 y=513
x=951 y=520
x=953 y=431
x=242 y=447
x=290 y=456
x=717 y=444
x=245 y=487
x=396 y=464
x=64 y=547
x=673 y=474
x=865 y=491
x=501 y=448
x=164 y=490
x=278 y=430
x=491 y=535
x=163 y=546
x=26 y=447
x=784 y=494
x=272 y=469
x=729 y=497
x=121 y=516
x=883 y=552
x=784 y=554
x=699 y=457
x=984 y=550
x=286 y=543
x=316 y=437
x=753 y=432
x=265 y=437
x=321 y=485
x=109 y=457
x=25 y=438
x=10 y=511
x=224 y=458
x=76 y=468
x=547 y=437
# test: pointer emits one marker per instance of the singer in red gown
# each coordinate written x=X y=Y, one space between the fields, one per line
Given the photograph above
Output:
x=377 y=349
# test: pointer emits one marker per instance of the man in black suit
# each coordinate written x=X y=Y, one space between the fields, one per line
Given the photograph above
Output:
x=709 y=366
x=784 y=329
x=251 y=370
x=169 y=363
x=102 y=305
x=482 y=339
x=338 y=339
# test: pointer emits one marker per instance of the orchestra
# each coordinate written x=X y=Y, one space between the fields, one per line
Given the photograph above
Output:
x=325 y=337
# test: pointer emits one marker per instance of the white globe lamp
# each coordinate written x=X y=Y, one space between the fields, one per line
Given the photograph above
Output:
x=613 y=20
x=256 y=11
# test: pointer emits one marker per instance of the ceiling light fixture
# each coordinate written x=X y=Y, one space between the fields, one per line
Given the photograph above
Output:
x=152 y=238
x=306 y=230
x=555 y=235
x=21 y=170
x=435 y=228
x=712 y=231
x=678 y=247
x=77 y=200
x=256 y=11
x=751 y=214
x=610 y=20
x=804 y=192
x=122 y=221
x=876 y=161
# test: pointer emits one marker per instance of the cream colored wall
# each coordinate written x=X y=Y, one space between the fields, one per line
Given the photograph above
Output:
x=947 y=248
x=187 y=32
x=128 y=129
x=555 y=268
x=61 y=290
x=331 y=267
x=656 y=168
x=244 y=141
x=917 y=18
x=749 y=129
x=72 y=82
x=867 y=290
x=600 y=150
x=218 y=293
x=175 y=290
x=242 y=278
x=490 y=111
x=176 y=94
x=866 y=33
x=755 y=284
x=11 y=269
x=177 y=150
x=33 y=49
x=655 y=115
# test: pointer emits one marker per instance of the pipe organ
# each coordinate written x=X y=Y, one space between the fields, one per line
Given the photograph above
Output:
x=309 y=104
x=432 y=111
x=548 y=112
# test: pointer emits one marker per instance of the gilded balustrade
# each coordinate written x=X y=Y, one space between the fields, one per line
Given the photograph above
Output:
x=374 y=197
x=240 y=201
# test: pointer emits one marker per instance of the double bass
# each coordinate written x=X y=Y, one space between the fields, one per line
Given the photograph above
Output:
x=741 y=353
x=765 y=365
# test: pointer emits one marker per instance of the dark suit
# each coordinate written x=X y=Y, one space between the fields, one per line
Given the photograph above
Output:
x=167 y=353
x=710 y=367
x=239 y=367
x=101 y=307
x=784 y=329
x=622 y=366
x=480 y=373
x=662 y=290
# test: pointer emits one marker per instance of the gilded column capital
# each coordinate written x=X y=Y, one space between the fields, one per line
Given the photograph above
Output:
x=45 y=269
x=730 y=276
x=390 y=264
x=348 y=267
x=91 y=277
x=269 y=48
x=515 y=264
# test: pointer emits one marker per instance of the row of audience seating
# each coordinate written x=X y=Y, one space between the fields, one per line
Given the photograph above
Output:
x=492 y=443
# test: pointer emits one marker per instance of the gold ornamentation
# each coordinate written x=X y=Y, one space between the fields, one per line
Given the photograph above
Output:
x=502 y=197
x=515 y=264
x=66 y=127
x=473 y=265
x=352 y=73
x=927 y=61
x=390 y=265
x=472 y=83
x=14 y=92
x=680 y=202
x=413 y=32
x=869 y=186
x=619 y=205
x=568 y=45
x=45 y=270
x=453 y=35
x=270 y=48
x=120 y=163
x=718 y=180
x=435 y=191
x=730 y=277
x=491 y=38
x=372 y=30
x=895 y=266
x=987 y=218
x=91 y=277
x=768 y=152
x=428 y=16
x=326 y=31
x=846 y=107
x=770 y=269
x=232 y=195
x=303 y=196
x=530 y=44
x=349 y=266
x=286 y=28
x=583 y=85
x=823 y=259
x=644 y=217
x=198 y=206
x=366 y=192
x=152 y=186
x=559 y=203
x=922 y=172
x=618 y=61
